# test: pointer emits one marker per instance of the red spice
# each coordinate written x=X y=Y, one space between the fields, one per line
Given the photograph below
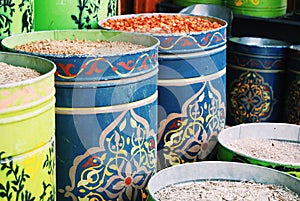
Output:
x=162 y=24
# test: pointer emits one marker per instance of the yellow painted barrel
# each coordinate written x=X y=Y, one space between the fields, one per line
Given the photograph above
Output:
x=27 y=126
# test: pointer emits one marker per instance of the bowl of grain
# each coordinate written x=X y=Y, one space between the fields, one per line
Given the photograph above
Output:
x=217 y=180
x=273 y=145
x=176 y=32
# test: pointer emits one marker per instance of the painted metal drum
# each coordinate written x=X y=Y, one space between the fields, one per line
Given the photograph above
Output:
x=191 y=93
x=106 y=117
x=256 y=72
x=258 y=8
x=190 y=173
x=16 y=16
x=75 y=14
x=27 y=126
x=192 y=100
x=292 y=107
x=282 y=132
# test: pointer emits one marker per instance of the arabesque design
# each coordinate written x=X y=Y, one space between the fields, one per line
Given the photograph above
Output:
x=93 y=66
x=120 y=168
x=266 y=63
x=251 y=98
x=189 y=40
x=192 y=134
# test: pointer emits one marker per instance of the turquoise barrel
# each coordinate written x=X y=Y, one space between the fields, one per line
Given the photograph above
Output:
x=258 y=8
x=191 y=92
x=27 y=127
x=106 y=116
x=292 y=103
x=75 y=14
x=256 y=77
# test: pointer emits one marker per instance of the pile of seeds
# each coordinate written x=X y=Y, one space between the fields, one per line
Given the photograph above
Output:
x=71 y=47
x=162 y=24
x=226 y=190
x=267 y=149
x=12 y=74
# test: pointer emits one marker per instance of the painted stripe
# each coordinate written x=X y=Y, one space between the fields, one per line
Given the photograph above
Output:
x=189 y=81
x=192 y=55
x=29 y=114
x=112 y=82
x=30 y=105
x=254 y=70
x=107 y=109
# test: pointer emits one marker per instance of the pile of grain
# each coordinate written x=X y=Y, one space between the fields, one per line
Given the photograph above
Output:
x=226 y=190
x=267 y=149
x=11 y=74
x=71 y=47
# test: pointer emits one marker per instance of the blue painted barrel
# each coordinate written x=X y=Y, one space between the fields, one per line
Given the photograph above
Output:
x=191 y=92
x=192 y=101
x=255 y=84
x=106 y=117
x=292 y=104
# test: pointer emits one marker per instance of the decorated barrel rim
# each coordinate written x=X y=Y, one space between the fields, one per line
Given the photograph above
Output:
x=256 y=76
x=17 y=16
x=274 y=131
x=52 y=15
x=105 y=116
x=173 y=43
x=27 y=107
x=192 y=2
x=219 y=171
x=29 y=175
x=262 y=8
x=78 y=71
x=292 y=104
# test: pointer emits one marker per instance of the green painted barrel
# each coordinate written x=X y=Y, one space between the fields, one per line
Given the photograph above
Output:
x=192 y=2
x=27 y=126
x=66 y=14
x=16 y=16
x=258 y=8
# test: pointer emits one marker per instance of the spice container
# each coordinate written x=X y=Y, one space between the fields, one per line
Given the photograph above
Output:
x=255 y=80
x=105 y=113
x=66 y=14
x=262 y=8
x=263 y=151
x=191 y=81
x=27 y=127
x=214 y=171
